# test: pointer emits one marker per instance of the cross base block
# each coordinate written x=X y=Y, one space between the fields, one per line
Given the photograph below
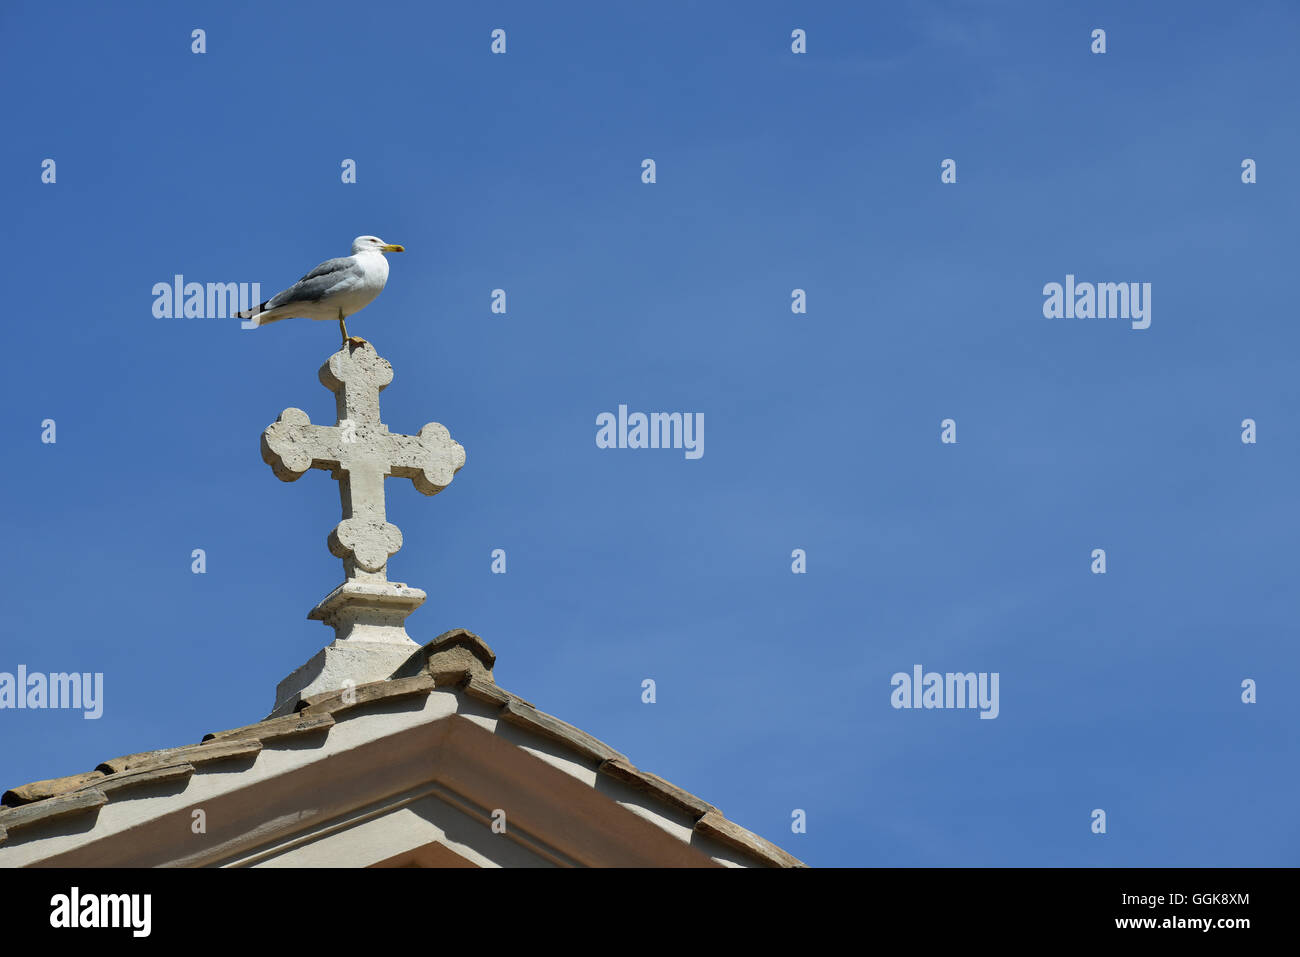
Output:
x=369 y=610
x=369 y=622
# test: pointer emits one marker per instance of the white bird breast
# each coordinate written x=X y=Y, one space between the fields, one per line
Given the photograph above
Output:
x=357 y=292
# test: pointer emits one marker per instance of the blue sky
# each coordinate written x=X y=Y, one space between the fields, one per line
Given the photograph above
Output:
x=775 y=171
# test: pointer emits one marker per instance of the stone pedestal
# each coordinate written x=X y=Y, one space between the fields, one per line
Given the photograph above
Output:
x=369 y=622
x=371 y=611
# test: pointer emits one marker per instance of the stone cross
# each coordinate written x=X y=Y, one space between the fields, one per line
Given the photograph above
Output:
x=360 y=452
x=367 y=611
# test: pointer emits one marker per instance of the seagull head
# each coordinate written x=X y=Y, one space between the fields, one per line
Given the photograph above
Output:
x=373 y=244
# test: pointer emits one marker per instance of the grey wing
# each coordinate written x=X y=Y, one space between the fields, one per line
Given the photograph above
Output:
x=318 y=283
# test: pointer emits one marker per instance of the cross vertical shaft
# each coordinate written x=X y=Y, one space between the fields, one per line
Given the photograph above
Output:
x=361 y=493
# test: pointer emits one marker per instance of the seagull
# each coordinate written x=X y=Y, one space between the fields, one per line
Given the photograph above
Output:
x=335 y=289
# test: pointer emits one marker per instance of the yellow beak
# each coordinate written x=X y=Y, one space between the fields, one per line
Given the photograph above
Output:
x=392 y=248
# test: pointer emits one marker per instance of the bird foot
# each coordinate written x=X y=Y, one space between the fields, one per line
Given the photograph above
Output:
x=356 y=342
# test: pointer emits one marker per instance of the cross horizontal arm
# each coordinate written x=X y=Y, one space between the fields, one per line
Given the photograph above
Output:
x=429 y=459
x=292 y=445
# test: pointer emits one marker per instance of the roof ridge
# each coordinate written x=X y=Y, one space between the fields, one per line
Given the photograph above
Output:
x=86 y=792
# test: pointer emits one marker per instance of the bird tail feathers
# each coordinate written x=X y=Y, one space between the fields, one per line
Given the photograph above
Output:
x=261 y=315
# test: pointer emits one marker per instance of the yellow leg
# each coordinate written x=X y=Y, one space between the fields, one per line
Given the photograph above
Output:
x=347 y=339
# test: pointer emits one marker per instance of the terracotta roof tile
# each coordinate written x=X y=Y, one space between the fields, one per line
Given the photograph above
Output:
x=446 y=646
x=147 y=775
x=488 y=691
x=195 y=754
x=76 y=802
x=276 y=728
x=41 y=790
x=452 y=651
x=716 y=826
x=336 y=702
x=623 y=771
x=549 y=726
